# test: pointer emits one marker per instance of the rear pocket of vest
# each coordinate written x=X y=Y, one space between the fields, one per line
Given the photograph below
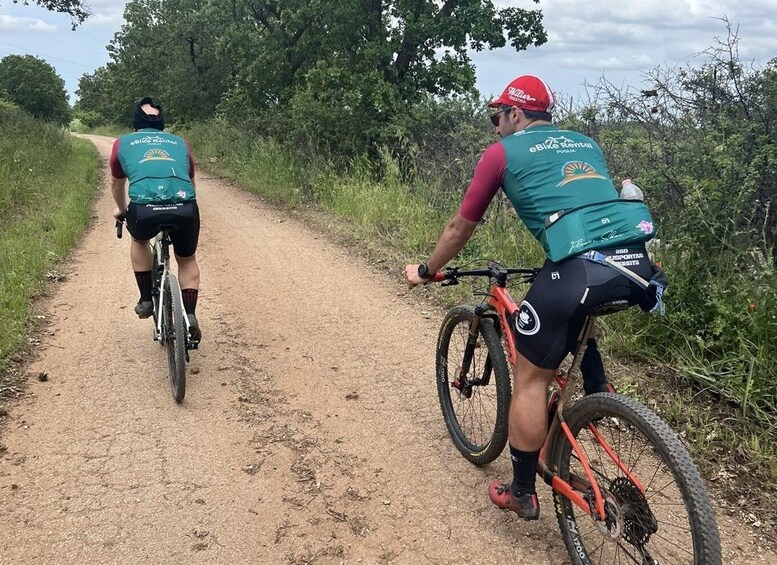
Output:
x=597 y=225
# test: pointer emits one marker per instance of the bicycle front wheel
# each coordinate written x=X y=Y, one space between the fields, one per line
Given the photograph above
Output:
x=175 y=338
x=475 y=405
x=657 y=508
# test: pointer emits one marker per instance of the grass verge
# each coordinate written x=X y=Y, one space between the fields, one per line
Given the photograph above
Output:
x=47 y=182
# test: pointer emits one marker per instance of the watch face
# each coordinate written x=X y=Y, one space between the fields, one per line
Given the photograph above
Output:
x=423 y=270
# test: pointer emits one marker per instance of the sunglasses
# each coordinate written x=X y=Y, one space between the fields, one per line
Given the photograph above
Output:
x=497 y=116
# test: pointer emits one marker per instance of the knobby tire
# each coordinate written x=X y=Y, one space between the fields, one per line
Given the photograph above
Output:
x=175 y=338
x=489 y=404
x=671 y=521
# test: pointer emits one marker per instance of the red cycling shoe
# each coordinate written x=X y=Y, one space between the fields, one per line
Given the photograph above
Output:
x=527 y=506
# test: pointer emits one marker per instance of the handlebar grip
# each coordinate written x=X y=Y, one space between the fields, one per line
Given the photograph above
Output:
x=119 y=227
x=438 y=277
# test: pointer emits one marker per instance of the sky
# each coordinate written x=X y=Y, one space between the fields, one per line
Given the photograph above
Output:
x=587 y=40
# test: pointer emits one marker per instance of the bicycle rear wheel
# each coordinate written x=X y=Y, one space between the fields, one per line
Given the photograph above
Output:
x=668 y=520
x=175 y=338
x=475 y=405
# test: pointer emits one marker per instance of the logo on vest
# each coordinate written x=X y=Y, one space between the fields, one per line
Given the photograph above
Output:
x=527 y=322
x=578 y=170
x=153 y=140
x=561 y=144
x=156 y=155
x=646 y=227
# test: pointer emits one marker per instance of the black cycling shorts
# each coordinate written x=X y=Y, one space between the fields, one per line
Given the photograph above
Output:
x=549 y=320
x=144 y=221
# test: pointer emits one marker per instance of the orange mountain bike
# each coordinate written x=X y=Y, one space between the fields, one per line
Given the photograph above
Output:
x=624 y=486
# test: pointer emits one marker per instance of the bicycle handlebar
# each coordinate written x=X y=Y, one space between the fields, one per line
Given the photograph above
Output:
x=452 y=274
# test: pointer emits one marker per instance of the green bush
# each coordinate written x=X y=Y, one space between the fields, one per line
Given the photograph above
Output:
x=77 y=126
x=90 y=119
x=702 y=149
x=35 y=86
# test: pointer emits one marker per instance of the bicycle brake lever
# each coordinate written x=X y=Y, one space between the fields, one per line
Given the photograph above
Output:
x=450 y=282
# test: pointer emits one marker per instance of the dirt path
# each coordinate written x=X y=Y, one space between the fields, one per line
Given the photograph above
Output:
x=311 y=432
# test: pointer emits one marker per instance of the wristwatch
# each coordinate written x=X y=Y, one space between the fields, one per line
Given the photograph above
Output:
x=423 y=271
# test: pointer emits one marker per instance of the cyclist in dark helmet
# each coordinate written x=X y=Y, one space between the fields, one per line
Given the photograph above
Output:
x=160 y=169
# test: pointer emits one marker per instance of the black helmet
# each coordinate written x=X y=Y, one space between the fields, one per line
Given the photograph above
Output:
x=141 y=120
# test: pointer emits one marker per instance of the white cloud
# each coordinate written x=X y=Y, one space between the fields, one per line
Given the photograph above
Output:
x=107 y=20
x=105 y=14
x=623 y=40
x=106 y=6
x=14 y=24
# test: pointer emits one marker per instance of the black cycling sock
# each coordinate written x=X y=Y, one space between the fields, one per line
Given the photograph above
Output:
x=190 y=299
x=592 y=369
x=143 y=278
x=524 y=471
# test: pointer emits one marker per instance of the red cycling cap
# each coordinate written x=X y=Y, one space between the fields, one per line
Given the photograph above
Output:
x=527 y=92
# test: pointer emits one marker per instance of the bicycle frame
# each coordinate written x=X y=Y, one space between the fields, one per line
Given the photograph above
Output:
x=162 y=258
x=500 y=301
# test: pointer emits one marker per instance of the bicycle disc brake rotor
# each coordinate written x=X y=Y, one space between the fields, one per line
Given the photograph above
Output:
x=462 y=383
x=638 y=521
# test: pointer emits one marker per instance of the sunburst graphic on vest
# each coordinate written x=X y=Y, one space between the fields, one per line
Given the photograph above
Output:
x=156 y=155
x=578 y=170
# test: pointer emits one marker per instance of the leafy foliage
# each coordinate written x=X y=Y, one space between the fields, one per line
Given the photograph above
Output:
x=700 y=141
x=326 y=74
x=34 y=85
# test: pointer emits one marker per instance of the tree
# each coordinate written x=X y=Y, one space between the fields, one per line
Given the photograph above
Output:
x=98 y=93
x=410 y=46
x=35 y=86
x=333 y=72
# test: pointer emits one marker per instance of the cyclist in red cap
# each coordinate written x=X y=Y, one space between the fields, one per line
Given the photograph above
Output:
x=558 y=183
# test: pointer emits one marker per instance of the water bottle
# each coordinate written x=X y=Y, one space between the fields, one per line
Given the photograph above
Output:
x=631 y=191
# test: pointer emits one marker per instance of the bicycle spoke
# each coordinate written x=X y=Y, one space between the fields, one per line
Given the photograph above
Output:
x=474 y=399
x=657 y=516
x=477 y=414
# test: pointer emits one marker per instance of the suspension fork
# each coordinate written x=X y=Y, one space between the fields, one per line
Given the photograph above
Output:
x=469 y=350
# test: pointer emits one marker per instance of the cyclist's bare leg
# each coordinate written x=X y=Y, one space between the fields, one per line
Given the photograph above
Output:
x=141 y=256
x=528 y=422
x=188 y=271
x=527 y=428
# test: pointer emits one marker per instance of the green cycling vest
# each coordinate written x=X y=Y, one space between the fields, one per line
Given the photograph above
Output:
x=157 y=166
x=558 y=182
